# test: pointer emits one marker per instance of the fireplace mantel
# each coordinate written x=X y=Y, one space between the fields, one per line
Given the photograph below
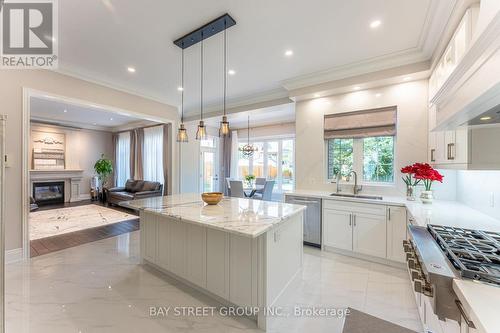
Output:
x=71 y=177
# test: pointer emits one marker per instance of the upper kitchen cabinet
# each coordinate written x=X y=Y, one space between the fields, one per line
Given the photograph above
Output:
x=455 y=51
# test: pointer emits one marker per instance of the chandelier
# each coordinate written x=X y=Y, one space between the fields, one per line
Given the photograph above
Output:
x=248 y=150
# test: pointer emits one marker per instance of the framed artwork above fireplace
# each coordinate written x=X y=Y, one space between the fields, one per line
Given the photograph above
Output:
x=48 y=150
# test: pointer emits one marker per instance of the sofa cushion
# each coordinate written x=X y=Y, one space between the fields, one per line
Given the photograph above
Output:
x=130 y=185
x=150 y=186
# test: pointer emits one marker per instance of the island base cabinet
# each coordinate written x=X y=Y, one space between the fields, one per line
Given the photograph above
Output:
x=234 y=269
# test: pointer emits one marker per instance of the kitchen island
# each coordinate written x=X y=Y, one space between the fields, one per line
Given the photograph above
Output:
x=242 y=252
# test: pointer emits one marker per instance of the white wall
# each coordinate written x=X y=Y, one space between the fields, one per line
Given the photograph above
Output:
x=280 y=130
x=477 y=189
x=411 y=143
x=12 y=83
x=83 y=148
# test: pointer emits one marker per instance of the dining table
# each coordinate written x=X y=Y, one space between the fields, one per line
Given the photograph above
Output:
x=251 y=190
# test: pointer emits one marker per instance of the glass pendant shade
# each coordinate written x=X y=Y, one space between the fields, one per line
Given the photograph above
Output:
x=182 y=134
x=201 y=133
x=224 y=130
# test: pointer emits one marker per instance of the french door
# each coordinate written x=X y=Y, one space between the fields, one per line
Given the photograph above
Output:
x=209 y=165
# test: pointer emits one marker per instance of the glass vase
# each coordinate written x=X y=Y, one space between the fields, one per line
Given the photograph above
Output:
x=410 y=193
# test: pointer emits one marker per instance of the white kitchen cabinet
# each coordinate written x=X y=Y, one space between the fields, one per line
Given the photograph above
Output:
x=218 y=263
x=178 y=240
x=449 y=149
x=360 y=228
x=369 y=235
x=396 y=233
x=196 y=262
x=337 y=229
x=164 y=251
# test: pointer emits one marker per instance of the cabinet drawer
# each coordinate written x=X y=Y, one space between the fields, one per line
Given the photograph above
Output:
x=356 y=207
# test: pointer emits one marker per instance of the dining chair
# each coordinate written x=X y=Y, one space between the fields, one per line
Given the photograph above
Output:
x=267 y=192
x=260 y=181
x=228 y=185
x=236 y=187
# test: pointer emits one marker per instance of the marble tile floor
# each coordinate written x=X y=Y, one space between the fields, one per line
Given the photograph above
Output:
x=100 y=287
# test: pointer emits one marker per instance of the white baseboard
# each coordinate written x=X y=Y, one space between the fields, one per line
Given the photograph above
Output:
x=13 y=255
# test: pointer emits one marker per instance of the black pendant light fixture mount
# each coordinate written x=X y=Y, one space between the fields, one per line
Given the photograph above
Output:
x=224 y=130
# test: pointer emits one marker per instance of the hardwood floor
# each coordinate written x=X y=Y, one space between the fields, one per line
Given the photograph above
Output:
x=56 y=243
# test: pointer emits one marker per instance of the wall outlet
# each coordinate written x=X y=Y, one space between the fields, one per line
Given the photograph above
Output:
x=492 y=199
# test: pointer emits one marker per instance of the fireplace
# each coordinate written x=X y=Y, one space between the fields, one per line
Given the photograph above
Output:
x=46 y=193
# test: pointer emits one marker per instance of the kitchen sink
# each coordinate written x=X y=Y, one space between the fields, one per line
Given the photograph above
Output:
x=358 y=196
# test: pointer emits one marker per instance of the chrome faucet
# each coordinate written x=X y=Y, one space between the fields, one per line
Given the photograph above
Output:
x=356 y=187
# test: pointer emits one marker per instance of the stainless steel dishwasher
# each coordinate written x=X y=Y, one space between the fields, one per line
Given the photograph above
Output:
x=312 y=218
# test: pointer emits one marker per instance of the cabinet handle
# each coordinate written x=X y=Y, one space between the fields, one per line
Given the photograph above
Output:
x=433 y=159
x=450 y=151
x=460 y=307
x=389 y=213
x=350 y=219
x=354 y=219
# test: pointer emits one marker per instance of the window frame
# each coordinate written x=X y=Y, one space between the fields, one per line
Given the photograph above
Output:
x=278 y=188
x=358 y=163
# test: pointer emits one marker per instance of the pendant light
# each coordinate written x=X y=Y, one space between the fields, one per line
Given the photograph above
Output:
x=248 y=149
x=224 y=130
x=181 y=132
x=201 y=133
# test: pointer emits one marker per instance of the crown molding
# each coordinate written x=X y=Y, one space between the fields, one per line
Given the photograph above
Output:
x=136 y=92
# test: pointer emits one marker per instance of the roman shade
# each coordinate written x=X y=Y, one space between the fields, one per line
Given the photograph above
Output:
x=361 y=124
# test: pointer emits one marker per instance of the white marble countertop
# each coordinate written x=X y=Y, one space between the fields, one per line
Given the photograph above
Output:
x=481 y=302
x=246 y=217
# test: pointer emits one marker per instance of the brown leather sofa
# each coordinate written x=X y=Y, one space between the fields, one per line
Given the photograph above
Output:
x=133 y=189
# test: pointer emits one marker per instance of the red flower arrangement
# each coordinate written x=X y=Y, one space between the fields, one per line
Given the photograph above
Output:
x=421 y=172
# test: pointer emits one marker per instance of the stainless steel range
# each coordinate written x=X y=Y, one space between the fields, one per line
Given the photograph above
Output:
x=438 y=254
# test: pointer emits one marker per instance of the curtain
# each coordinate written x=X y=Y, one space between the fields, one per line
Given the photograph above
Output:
x=225 y=165
x=114 y=137
x=122 y=158
x=139 y=137
x=233 y=173
x=167 y=159
x=132 y=153
x=361 y=124
x=153 y=154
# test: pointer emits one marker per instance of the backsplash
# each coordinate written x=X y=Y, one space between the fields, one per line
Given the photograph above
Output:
x=480 y=190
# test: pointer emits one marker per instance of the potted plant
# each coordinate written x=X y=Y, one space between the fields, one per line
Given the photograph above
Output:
x=409 y=172
x=427 y=175
x=249 y=179
x=104 y=168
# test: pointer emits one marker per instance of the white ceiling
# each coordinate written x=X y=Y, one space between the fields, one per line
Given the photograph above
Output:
x=70 y=114
x=280 y=114
x=99 y=39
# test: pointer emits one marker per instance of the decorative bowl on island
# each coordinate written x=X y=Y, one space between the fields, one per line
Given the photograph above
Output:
x=212 y=198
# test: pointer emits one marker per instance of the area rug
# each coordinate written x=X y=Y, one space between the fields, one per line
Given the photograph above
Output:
x=59 y=221
x=360 y=322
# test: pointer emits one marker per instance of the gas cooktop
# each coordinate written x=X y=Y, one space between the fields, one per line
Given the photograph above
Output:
x=474 y=253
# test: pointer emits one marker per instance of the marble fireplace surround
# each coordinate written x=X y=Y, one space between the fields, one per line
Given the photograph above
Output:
x=72 y=182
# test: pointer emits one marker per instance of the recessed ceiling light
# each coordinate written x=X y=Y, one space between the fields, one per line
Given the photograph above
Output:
x=231 y=72
x=378 y=95
x=317 y=95
x=94 y=124
x=180 y=88
x=485 y=118
x=131 y=69
x=407 y=78
x=375 y=24
x=65 y=111
x=288 y=53
x=110 y=118
x=356 y=88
